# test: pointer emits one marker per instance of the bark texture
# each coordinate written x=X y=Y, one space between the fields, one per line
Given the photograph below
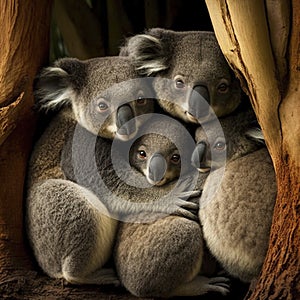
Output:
x=261 y=41
x=24 y=48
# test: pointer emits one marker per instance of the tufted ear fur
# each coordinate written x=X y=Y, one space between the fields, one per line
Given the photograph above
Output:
x=147 y=51
x=256 y=134
x=56 y=86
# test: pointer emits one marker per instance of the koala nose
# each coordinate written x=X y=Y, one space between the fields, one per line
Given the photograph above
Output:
x=198 y=155
x=199 y=102
x=124 y=115
x=157 y=168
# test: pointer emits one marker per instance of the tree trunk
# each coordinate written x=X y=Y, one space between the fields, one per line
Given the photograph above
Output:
x=262 y=44
x=24 y=48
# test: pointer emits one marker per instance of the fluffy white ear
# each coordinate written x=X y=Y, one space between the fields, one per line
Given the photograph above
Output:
x=147 y=53
x=256 y=134
x=56 y=86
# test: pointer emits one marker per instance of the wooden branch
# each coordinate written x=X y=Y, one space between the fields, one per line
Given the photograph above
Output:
x=249 y=40
x=278 y=15
x=118 y=25
x=80 y=28
x=242 y=32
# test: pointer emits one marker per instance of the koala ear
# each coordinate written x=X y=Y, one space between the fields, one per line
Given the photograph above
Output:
x=255 y=133
x=58 y=85
x=147 y=52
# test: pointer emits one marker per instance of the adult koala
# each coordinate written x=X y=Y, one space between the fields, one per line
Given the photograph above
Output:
x=71 y=239
x=236 y=205
x=190 y=71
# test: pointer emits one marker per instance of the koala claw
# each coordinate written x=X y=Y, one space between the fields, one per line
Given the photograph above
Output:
x=102 y=277
x=218 y=284
x=190 y=194
x=201 y=285
x=188 y=210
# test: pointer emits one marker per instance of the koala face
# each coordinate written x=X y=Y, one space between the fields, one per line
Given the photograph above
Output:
x=232 y=140
x=156 y=157
x=104 y=94
x=163 y=150
x=200 y=80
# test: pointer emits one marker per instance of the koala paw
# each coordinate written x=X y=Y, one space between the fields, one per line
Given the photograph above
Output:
x=201 y=285
x=185 y=209
x=215 y=284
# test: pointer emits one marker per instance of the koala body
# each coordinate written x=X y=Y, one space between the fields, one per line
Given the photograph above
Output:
x=104 y=167
x=236 y=206
x=190 y=71
x=69 y=228
x=163 y=258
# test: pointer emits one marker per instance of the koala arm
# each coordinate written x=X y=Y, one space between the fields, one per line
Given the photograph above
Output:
x=45 y=158
x=70 y=238
x=91 y=166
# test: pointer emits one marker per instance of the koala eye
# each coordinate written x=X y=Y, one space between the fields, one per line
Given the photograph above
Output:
x=220 y=146
x=223 y=88
x=175 y=159
x=179 y=83
x=142 y=154
x=102 y=105
x=141 y=100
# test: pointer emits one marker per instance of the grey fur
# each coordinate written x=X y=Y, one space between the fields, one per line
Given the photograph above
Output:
x=69 y=229
x=123 y=192
x=193 y=57
x=236 y=219
x=84 y=84
x=163 y=258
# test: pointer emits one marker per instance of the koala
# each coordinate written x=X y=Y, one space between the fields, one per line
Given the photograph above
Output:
x=236 y=205
x=143 y=207
x=163 y=258
x=104 y=94
x=190 y=71
x=69 y=228
x=103 y=166
x=160 y=166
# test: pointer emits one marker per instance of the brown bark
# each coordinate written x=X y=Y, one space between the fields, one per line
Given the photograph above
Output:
x=259 y=58
x=24 y=47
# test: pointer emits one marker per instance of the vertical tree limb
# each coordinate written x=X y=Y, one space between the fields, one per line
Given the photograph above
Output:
x=24 y=48
x=248 y=40
x=80 y=28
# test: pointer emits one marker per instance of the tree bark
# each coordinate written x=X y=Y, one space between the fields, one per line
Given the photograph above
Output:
x=24 y=48
x=256 y=40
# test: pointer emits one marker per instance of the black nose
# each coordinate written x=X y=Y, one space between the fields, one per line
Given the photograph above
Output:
x=198 y=155
x=157 y=167
x=124 y=115
x=199 y=102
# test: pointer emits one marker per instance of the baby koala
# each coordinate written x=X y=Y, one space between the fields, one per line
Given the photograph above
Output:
x=163 y=258
x=157 y=158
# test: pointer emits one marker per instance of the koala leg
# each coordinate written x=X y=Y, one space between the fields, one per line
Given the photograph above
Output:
x=71 y=239
x=161 y=259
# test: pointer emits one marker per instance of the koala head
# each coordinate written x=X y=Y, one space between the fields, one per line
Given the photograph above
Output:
x=163 y=150
x=200 y=80
x=237 y=136
x=156 y=157
x=104 y=94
